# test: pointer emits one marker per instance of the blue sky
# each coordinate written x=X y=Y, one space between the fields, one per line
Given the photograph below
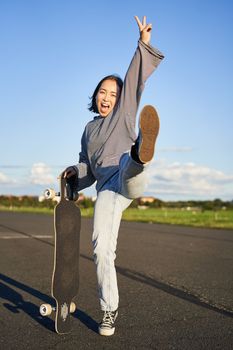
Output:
x=53 y=54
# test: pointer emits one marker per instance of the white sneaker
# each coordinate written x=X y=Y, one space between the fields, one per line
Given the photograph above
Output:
x=106 y=327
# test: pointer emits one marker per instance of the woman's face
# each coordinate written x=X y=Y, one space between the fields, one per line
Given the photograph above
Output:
x=107 y=97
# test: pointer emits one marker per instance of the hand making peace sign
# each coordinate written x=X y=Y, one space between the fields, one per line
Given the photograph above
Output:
x=144 y=29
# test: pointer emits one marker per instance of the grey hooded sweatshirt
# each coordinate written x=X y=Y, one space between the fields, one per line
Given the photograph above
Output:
x=105 y=139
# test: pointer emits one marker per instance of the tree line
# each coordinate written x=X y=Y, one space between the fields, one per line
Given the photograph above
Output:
x=87 y=202
x=216 y=204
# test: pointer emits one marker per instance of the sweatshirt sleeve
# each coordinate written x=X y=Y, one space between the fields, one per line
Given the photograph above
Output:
x=85 y=176
x=145 y=60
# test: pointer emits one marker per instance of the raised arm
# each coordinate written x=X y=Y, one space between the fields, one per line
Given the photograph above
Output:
x=144 y=30
x=144 y=62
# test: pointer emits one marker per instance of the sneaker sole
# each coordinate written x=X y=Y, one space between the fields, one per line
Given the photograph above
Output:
x=106 y=332
x=149 y=125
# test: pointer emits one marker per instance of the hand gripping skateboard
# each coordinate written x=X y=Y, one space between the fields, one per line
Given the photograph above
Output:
x=65 y=278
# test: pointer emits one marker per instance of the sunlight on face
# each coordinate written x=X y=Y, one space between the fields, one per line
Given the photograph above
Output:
x=107 y=97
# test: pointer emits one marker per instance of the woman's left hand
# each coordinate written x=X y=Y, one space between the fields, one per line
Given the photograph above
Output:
x=144 y=29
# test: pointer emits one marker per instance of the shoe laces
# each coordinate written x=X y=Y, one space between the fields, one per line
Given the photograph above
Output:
x=109 y=317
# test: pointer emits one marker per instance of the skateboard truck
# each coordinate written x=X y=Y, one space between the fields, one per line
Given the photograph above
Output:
x=49 y=193
x=47 y=309
x=69 y=192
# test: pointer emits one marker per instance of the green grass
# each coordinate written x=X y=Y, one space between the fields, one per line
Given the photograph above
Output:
x=27 y=210
x=208 y=218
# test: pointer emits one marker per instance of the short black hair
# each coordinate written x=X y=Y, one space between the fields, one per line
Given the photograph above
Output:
x=92 y=105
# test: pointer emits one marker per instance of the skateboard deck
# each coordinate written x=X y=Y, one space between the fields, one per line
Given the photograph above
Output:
x=65 y=278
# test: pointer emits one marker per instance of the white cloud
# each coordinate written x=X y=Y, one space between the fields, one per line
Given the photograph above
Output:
x=168 y=181
x=189 y=180
x=41 y=175
x=5 y=180
x=175 y=149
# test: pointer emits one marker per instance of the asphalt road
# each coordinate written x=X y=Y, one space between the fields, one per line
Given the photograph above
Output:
x=175 y=283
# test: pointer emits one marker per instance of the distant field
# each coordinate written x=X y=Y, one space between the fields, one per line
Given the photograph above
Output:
x=208 y=218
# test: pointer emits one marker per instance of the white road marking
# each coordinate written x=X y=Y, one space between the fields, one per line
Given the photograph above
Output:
x=13 y=235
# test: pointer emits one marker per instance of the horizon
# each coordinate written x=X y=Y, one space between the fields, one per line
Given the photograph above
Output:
x=143 y=196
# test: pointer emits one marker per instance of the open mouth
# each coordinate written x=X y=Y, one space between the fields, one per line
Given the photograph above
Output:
x=105 y=107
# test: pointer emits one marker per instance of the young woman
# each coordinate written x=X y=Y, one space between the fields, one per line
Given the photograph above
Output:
x=113 y=157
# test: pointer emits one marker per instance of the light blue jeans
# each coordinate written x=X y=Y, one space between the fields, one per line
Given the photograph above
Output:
x=112 y=200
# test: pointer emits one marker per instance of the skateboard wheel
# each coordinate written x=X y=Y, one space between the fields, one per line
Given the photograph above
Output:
x=72 y=307
x=49 y=193
x=45 y=309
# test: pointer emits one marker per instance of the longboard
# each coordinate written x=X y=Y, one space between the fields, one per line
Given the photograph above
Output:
x=65 y=277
